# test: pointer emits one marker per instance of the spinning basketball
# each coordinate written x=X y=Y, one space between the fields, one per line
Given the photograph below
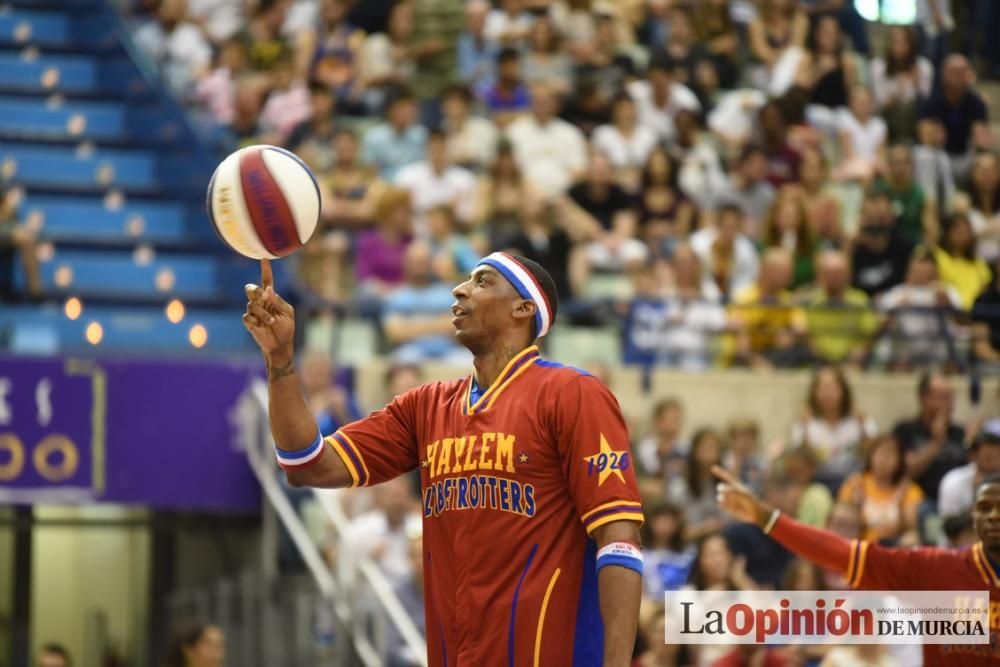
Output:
x=263 y=202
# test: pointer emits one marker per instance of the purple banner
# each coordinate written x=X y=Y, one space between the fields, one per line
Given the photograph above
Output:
x=125 y=431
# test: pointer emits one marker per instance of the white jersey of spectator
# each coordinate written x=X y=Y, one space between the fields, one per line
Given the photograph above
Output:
x=745 y=261
x=184 y=52
x=221 y=18
x=657 y=118
x=901 y=88
x=625 y=152
x=455 y=187
x=550 y=156
x=500 y=25
x=370 y=535
x=377 y=60
x=688 y=341
x=701 y=176
x=955 y=495
x=734 y=115
x=838 y=446
x=918 y=334
x=302 y=15
x=575 y=25
x=866 y=138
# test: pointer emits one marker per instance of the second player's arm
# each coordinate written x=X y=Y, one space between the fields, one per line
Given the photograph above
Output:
x=620 y=592
x=822 y=547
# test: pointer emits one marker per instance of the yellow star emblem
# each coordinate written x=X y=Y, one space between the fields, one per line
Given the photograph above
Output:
x=523 y=458
x=607 y=462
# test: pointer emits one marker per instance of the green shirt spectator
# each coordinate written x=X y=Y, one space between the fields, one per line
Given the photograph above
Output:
x=916 y=216
x=437 y=25
x=839 y=318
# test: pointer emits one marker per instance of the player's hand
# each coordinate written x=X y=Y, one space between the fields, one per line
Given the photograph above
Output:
x=268 y=317
x=736 y=499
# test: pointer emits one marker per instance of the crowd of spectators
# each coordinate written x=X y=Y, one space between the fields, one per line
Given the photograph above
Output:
x=772 y=183
x=765 y=184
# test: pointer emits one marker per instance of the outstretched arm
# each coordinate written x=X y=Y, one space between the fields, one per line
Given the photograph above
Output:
x=826 y=549
x=271 y=322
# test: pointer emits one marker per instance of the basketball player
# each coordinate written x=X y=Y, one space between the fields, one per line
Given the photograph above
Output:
x=531 y=509
x=870 y=566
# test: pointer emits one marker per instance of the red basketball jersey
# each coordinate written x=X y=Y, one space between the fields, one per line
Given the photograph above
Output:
x=874 y=567
x=512 y=487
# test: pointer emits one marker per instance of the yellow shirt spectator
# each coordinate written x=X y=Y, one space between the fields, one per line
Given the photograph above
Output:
x=968 y=276
x=839 y=327
x=767 y=320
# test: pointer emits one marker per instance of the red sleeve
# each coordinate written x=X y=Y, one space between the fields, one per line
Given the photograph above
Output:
x=596 y=457
x=863 y=564
x=383 y=445
x=898 y=568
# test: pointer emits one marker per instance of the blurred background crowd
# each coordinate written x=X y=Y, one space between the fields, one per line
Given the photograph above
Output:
x=761 y=184
x=764 y=185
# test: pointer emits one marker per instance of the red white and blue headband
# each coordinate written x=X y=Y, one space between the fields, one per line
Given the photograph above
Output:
x=525 y=284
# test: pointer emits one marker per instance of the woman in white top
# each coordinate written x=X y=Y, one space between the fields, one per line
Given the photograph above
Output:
x=981 y=203
x=625 y=142
x=384 y=58
x=862 y=138
x=899 y=79
x=545 y=61
x=832 y=427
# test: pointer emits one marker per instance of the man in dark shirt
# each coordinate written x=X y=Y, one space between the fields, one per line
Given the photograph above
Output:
x=932 y=441
x=955 y=117
x=881 y=253
x=599 y=195
x=605 y=222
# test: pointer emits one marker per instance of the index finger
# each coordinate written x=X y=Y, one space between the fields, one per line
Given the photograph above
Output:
x=266 y=276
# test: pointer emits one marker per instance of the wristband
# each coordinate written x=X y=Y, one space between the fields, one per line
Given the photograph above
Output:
x=301 y=457
x=622 y=554
x=769 y=526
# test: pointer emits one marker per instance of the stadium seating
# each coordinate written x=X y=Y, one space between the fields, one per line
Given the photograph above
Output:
x=111 y=173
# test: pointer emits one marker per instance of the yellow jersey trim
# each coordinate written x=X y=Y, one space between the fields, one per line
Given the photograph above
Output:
x=621 y=516
x=337 y=447
x=861 y=564
x=357 y=450
x=498 y=384
x=541 y=616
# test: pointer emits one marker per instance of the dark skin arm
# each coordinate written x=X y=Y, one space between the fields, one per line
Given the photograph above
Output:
x=271 y=322
x=620 y=591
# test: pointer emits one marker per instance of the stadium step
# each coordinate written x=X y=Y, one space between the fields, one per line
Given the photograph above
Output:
x=95 y=219
x=54 y=118
x=33 y=164
x=24 y=71
x=130 y=275
x=55 y=30
x=48 y=330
